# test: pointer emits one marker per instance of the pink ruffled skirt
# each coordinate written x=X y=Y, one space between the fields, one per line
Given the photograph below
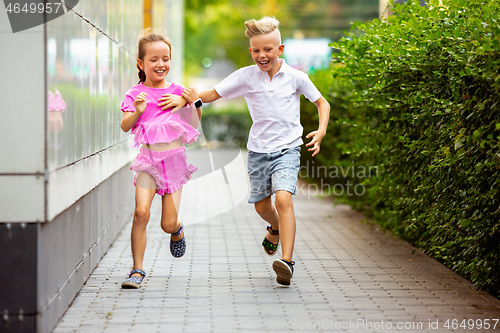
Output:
x=168 y=168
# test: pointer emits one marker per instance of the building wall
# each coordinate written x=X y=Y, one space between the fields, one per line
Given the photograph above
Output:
x=67 y=189
x=169 y=15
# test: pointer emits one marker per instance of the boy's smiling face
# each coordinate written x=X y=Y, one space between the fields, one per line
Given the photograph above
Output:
x=265 y=50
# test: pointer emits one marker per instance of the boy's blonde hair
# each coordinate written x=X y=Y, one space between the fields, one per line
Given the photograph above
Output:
x=263 y=26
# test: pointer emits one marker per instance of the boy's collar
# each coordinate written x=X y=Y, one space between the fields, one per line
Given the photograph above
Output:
x=284 y=66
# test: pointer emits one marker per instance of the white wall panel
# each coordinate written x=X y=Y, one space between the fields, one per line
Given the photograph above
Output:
x=69 y=184
x=22 y=198
x=22 y=94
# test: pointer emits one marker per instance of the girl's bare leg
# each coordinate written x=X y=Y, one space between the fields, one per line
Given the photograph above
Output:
x=144 y=194
x=170 y=221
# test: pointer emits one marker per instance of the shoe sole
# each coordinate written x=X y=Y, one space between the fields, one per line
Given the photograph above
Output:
x=271 y=254
x=283 y=272
x=130 y=285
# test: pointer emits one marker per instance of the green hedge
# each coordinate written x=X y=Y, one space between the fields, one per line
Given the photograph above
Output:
x=230 y=124
x=417 y=96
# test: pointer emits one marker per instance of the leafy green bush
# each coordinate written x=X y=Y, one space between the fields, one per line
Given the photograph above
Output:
x=417 y=96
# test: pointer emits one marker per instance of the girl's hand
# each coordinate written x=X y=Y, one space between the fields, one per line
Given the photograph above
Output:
x=140 y=103
x=172 y=101
x=317 y=137
x=190 y=94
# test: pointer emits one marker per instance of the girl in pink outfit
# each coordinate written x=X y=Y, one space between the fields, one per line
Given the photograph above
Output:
x=161 y=167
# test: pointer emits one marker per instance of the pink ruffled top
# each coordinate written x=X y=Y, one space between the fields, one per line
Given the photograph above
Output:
x=156 y=125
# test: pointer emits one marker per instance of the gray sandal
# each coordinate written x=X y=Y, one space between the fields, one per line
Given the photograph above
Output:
x=134 y=282
x=178 y=248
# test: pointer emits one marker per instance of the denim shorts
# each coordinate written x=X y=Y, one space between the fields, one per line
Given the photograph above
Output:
x=271 y=172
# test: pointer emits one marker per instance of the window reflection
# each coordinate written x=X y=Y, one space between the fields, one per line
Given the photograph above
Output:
x=56 y=107
x=88 y=68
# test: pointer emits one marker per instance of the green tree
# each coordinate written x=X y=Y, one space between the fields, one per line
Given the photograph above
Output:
x=215 y=30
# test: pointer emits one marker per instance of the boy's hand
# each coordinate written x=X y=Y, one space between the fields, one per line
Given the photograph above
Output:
x=172 y=101
x=140 y=103
x=324 y=116
x=190 y=94
x=317 y=137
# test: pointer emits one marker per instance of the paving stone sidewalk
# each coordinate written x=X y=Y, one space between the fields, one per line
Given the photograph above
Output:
x=350 y=276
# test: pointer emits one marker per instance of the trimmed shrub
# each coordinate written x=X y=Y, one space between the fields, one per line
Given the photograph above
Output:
x=230 y=124
x=417 y=95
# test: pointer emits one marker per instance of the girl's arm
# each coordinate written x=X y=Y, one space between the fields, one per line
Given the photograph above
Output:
x=168 y=101
x=317 y=136
x=129 y=119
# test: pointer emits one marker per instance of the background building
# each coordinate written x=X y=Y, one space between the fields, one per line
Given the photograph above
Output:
x=64 y=171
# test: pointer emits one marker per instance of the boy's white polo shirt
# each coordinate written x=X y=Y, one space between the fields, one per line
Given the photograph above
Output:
x=274 y=105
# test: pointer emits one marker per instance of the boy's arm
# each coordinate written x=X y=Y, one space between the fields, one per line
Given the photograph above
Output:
x=191 y=95
x=317 y=136
x=209 y=96
x=176 y=102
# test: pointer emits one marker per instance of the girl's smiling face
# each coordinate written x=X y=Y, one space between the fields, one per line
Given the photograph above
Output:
x=265 y=50
x=156 y=64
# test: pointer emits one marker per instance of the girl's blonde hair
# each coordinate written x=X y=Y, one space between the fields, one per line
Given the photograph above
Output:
x=261 y=27
x=145 y=37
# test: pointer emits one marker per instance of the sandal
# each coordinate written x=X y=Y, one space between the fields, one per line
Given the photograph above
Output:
x=284 y=271
x=269 y=247
x=178 y=248
x=134 y=282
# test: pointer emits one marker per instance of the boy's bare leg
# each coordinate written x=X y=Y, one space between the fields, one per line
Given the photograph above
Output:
x=268 y=213
x=284 y=207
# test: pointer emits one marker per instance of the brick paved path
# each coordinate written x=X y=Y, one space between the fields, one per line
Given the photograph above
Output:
x=349 y=276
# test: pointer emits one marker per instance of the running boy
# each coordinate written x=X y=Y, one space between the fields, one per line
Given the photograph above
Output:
x=272 y=91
